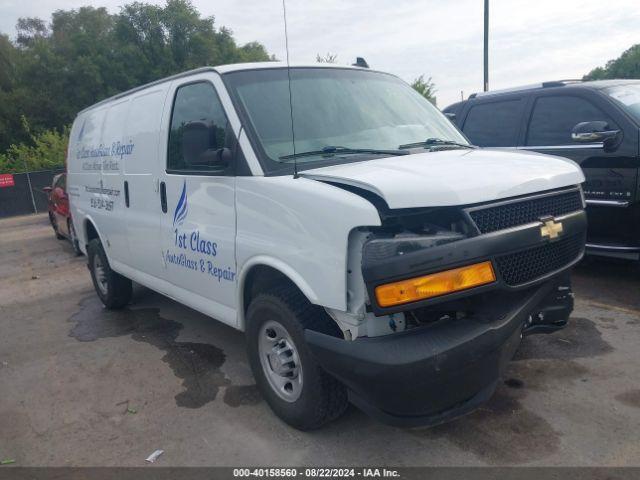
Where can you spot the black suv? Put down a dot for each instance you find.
(596, 124)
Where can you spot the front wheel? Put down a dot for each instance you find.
(296, 388)
(113, 289)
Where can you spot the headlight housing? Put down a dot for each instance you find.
(380, 249)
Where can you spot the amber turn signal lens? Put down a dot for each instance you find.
(435, 284)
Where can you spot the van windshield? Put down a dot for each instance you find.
(365, 114)
(628, 96)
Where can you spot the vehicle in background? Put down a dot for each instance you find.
(596, 124)
(368, 252)
(59, 212)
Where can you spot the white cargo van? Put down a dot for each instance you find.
(369, 253)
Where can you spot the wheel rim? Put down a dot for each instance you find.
(280, 361)
(100, 275)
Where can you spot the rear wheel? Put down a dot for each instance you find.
(113, 289)
(54, 224)
(297, 389)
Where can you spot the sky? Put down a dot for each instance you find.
(530, 41)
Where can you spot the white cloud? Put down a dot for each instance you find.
(529, 41)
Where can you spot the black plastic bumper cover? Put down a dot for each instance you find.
(430, 374)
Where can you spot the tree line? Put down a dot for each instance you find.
(50, 71)
(626, 65)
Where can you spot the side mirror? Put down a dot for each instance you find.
(196, 139)
(199, 142)
(215, 159)
(597, 131)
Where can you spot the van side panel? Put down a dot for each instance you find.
(84, 166)
(110, 203)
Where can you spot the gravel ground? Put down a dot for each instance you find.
(82, 386)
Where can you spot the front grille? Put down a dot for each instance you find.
(523, 267)
(492, 219)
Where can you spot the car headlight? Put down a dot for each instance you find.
(385, 248)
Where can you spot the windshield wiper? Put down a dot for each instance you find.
(334, 150)
(432, 142)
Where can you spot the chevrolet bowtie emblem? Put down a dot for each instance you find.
(551, 229)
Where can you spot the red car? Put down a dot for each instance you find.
(59, 213)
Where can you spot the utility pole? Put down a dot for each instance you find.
(486, 45)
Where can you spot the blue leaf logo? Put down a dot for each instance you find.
(182, 208)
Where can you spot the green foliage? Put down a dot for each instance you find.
(47, 151)
(7, 60)
(626, 65)
(82, 56)
(426, 88)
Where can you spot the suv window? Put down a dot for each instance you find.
(494, 124)
(199, 131)
(553, 119)
(60, 182)
(627, 96)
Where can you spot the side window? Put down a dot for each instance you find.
(200, 137)
(554, 117)
(494, 124)
(60, 182)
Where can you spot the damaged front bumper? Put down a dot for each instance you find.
(453, 348)
(431, 374)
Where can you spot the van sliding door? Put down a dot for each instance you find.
(142, 165)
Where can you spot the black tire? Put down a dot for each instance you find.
(322, 397)
(73, 238)
(54, 224)
(116, 290)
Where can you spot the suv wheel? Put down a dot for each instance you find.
(54, 224)
(113, 289)
(296, 388)
(74, 238)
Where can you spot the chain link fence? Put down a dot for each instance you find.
(25, 196)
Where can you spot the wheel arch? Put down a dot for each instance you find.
(89, 231)
(261, 272)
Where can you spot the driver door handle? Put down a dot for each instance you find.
(163, 197)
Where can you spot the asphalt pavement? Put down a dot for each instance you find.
(83, 386)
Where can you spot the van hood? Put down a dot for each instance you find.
(453, 177)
